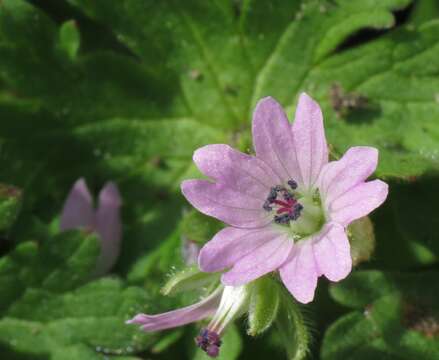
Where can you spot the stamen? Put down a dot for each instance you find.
(209, 341)
(272, 195)
(267, 206)
(288, 196)
(293, 184)
(282, 219)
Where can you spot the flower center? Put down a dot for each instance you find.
(300, 214)
(284, 203)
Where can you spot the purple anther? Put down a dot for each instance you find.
(272, 195)
(288, 196)
(267, 206)
(209, 342)
(292, 184)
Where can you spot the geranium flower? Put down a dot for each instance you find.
(225, 304)
(287, 206)
(78, 212)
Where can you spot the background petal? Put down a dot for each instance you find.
(109, 227)
(266, 258)
(273, 140)
(300, 272)
(225, 204)
(242, 172)
(332, 252)
(358, 202)
(309, 139)
(77, 210)
(230, 245)
(337, 177)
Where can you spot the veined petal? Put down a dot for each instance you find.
(300, 272)
(226, 204)
(230, 245)
(242, 172)
(273, 140)
(179, 317)
(338, 177)
(262, 260)
(77, 211)
(309, 140)
(109, 227)
(358, 202)
(332, 252)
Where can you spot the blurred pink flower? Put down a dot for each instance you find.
(78, 212)
(287, 207)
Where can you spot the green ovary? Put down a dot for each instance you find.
(311, 219)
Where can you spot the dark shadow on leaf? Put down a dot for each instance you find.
(7, 353)
(367, 35)
(364, 115)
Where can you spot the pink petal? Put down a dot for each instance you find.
(300, 272)
(273, 140)
(244, 173)
(230, 245)
(266, 258)
(309, 139)
(358, 202)
(179, 317)
(77, 211)
(337, 177)
(332, 252)
(226, 204)
(109, 227)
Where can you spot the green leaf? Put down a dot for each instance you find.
(157, 263)
(419, 228)
(396, 314)
(424, 11)
(292, 329)
(10, 204)
(198, 227)
(166, 341)
(61, 263)
(264, 305)
(361, 288)
(43, 322)
(68, 260)
(14, 270)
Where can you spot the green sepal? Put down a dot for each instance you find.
(264, 305)
(189, 279)
(10, 204)
(362, 239)
(69, 39)
(292, 329)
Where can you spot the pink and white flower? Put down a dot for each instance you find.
(287, 207)
(78, 212)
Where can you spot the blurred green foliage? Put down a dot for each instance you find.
(126, 90)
